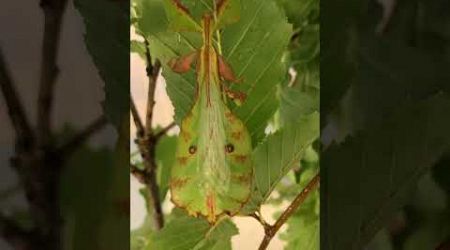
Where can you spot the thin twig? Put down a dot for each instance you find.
(163, 131)
(78, 139)
(147, 150)
(270, 233)
(140, 130)
(137, 173)
(53, 16)
(146, 141)
(261, 220)
(24, 133)
(152, 73)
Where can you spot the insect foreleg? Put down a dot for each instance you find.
(237, 96)
(226, 72)
(183, 64)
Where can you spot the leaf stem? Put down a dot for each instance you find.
(272, 230)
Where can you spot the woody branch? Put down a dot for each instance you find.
(37, 160)
(271, 230)
(147, 139)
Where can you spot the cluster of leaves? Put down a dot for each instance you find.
(95, 185)
(300, 97)
(386, 102)
(106, 39)
(261, 48)
(99, 220)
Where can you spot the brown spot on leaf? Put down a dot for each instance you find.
(182, 160)
(230, 117)
(176, 183)
(180, 6)
(241, 178)
(236, 135)
(186, 136)
(240, 158)
(220, 4)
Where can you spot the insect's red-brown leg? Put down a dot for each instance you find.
(226, 72)
(236, 96)
(183, 64)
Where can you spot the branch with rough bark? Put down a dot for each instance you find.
(271, 230)
(39, 165)
(53, 15)
(16, 112)
(147, 139)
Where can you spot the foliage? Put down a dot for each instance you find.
(260, 48)
(98, 220)
(106, 35)
(385, 124)
(199, 236)
(254, 54)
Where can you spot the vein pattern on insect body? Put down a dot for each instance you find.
(213, 168)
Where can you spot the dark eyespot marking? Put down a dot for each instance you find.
(229, 148)
(192, 149)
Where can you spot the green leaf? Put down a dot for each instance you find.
(253, 47)
(300, 12)
(165, 158)
(186, 232)
(138, 47)
(140, 238)
(83, 213)
(379, 168)
(304, 227)
(301, 96)
(297, 102)
(179, 17)
(114, 228)
(303, 231)
(278, 154)
(338, 43)
(219, 237)
(107, 31)
(391, 75)
(306, 46)
(91, 172)
(149, 23)
(229, 12)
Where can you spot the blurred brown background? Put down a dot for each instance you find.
(78, 91)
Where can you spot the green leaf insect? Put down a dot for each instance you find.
(212, 174)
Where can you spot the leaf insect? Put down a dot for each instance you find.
(212, 174)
